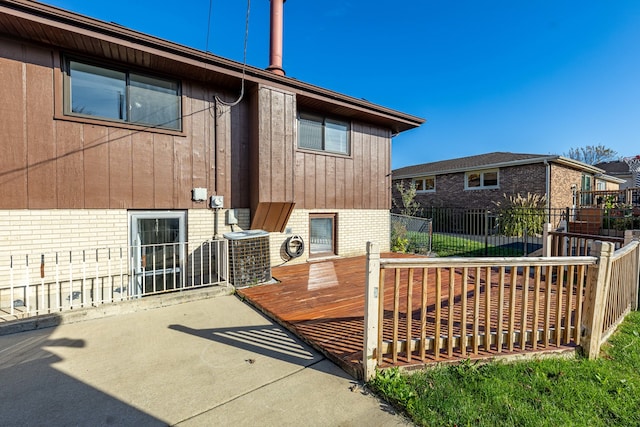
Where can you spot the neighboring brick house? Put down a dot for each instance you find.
(479, 181)
(619, 169)
(108, 132)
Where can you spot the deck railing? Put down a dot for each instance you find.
(431, 309)
(45, 283)
(560, 243)
(622, 290)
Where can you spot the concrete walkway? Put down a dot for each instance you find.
(211, 362)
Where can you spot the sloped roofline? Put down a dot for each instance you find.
(87, 26)
(494, 165)
(610, 178)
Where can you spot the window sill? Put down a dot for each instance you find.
(322, 257)
(481, 188)
(120, 125)
(323, 153)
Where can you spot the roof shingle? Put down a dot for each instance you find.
(494, 159)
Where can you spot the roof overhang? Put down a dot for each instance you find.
(73, 33)
(610, 178)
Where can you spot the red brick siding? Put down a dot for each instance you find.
(562, 178)
(450, 190)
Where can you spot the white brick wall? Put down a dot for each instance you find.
(26, 235)
(355, 228)
(34, 231)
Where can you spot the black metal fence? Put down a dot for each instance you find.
(481, 232)
(607, 199)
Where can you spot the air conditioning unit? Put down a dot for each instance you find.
(249, 259)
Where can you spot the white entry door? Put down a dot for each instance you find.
(157, 242)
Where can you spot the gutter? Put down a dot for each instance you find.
(113, 33)
(548, 184)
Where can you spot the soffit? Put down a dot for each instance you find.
(73, 33)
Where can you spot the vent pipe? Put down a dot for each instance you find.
(275, 46)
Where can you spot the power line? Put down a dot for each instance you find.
(244, 59)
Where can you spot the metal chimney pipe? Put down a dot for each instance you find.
(275, 46)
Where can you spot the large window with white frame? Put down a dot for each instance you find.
(320, 133)
(425, 184)
(482, 180)
(120, 95)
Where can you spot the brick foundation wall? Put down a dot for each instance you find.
(354, 228)
(37, 231)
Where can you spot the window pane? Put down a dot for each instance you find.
(430, 183)
(97, 91)
(310, 133)
(336, 137)
(419, 184)
(321, 235)
(473, 180)
(490, 179)
(154, 101)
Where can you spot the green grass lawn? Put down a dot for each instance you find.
(445, 245)
(549, 392)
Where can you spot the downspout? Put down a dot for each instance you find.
(548, 187)
(216, 236)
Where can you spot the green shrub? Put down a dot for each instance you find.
(518, 214)
(399, 239)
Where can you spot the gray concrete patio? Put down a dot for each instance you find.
(207, 362)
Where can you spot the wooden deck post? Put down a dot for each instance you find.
(598, 279)
(547, 239)
(630, 236)
(369, 359)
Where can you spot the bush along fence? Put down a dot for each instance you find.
(420, 310)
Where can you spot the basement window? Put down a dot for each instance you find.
(323, 134)
(322, 231)
(121, 95)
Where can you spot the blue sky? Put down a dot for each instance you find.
(494, 75)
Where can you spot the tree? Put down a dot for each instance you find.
(407, 197)
(591, 154)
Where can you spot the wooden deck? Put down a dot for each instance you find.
(323, 303)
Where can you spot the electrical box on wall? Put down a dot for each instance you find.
(217, 202)
(232, 219)
(199, 194)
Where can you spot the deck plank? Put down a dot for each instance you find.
(323, 303)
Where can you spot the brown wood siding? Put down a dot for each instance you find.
(240, 152)
(13, 162)
(70, 158)
(276, 121)
(96, 166)
(41, 173)
(142, 154)
(361, 181)
(51, 161)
